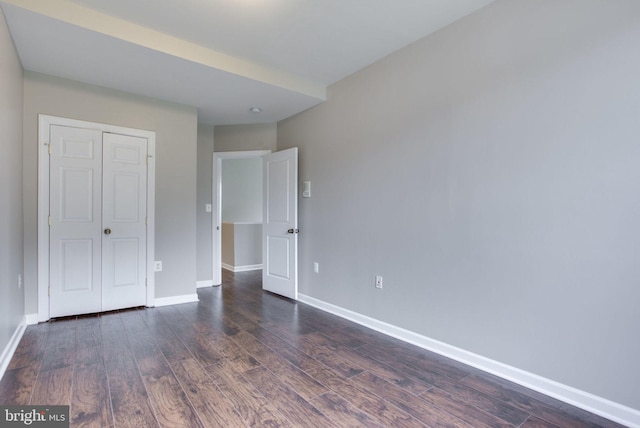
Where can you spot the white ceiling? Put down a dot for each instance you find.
(221, 56)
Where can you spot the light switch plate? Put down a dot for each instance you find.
(207, 208)
(306, 189)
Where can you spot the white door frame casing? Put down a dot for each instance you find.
(216, 197)
(44, 123)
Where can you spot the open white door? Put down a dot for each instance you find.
(280, 226)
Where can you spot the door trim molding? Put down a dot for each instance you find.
(44, 123)
(216, 197)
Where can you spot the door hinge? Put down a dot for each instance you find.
(146, 282)
(49, 220)
(49, 148)
(49, 291)
(146, 220)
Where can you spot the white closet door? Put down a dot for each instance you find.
(124, 221)
(75, 210)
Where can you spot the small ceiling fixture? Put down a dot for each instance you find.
(255, 110)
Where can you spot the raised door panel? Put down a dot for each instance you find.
(277, 251)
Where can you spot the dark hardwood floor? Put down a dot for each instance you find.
(244, 357)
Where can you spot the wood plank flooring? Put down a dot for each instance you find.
(243, 357)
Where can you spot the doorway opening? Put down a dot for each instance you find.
(237, 220)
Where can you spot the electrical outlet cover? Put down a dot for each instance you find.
(378, 281)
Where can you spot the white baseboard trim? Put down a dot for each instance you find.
(202, 284)
(176, 300)
(31, 319)
(584, 400)
(244, 268)
(10, 349)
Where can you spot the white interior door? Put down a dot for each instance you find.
(124, 212)
(98, 186)
(75, 220)
(280, 227)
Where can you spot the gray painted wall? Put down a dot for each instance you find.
(259, 136)
(11, 247)
(176, 147)
(491, 174)
(241, 244)
(204, 219)
(228, 244)
(247, 244)
(242, 190)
